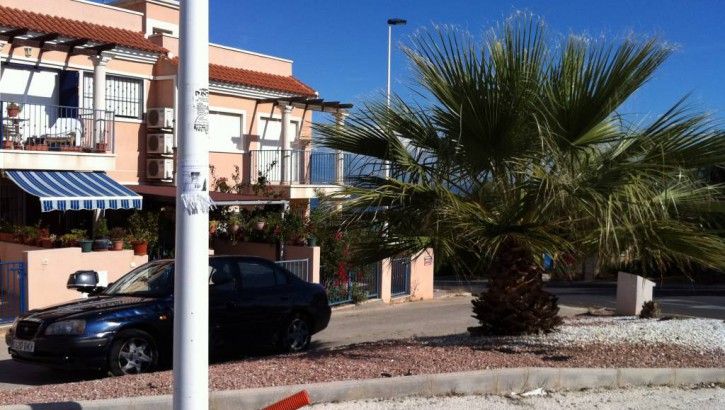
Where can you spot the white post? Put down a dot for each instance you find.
(390, 37)
(339, 155)
(285, 144)
(191, 298)
(99, 95)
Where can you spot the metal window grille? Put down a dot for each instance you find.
(124, 95)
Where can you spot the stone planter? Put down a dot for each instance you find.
(117, 244)
(100, 245)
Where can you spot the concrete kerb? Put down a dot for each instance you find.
(501, 381)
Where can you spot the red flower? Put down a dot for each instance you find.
(338, 235)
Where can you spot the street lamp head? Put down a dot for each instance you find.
(396, 22)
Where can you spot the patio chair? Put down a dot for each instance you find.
(65, 131)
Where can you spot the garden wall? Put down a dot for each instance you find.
(47, 270)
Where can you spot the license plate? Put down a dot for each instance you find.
(24, 345)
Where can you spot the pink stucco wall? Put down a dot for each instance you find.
(48, 269)
(82, 10)
(421, 275)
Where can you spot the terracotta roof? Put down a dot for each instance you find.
(16, 18)
(257, 79)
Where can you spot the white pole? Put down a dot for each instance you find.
(191, 298)
(390, 36)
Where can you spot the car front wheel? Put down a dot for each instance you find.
(296, 335)
(133, 352)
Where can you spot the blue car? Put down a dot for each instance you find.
(127, 328)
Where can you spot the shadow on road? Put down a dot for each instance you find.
(23, 375)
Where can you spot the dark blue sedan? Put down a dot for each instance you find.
(127, 328)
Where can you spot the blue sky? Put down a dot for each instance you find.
(339, 47)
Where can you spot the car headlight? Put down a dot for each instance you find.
(66, 327)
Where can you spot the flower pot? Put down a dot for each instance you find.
(101, 147)
(100, 245)
(86, 245)
(259, 225)
(311, 241)
(140, 248)
(7, 144)
(13, 111)
(7, 237)
(45, 243)
(117, 245)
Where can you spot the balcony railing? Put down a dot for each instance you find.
(56, 128)
(310, 167)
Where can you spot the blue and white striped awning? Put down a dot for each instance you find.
(69, 190)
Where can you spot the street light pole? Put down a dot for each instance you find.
(391, 23)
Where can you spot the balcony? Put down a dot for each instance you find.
(56, 137)
(303, 171)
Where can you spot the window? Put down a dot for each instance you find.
(225, 131)
(124, 95)
(255, 275)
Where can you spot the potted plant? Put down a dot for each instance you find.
(234, 220)
(76, 236)
(7, 231)
(13, 109)
(117, 234)
(144, 229)
(100, 235)
(257, 222)
(82, 240)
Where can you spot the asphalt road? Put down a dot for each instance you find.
(707, 301)
(441, 316)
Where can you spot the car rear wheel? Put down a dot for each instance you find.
(296, 334)
(133, 352)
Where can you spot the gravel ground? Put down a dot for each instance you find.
(598, 342)
(701, 398)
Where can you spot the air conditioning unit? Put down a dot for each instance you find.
(160, 118)
(160, 168)
(160, 144)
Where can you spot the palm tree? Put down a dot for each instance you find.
(516, 149)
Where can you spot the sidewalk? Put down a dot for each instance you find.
(502, 381)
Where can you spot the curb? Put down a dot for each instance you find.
(464, 383)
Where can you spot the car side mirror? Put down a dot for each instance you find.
(85, 281)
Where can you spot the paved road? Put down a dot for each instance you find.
(364, 323)
(376, 321)
(695, 300)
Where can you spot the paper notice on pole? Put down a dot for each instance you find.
(201, 108)
(194, 186)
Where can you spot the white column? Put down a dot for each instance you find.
(99, 96)
(339, 155)
(286, 144)
(191, 286)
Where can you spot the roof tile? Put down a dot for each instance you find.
(257, 79)
(44, 23)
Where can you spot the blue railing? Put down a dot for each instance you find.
(13, 290)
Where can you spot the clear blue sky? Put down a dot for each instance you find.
(339, 47)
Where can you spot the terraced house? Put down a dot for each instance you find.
(88, 98)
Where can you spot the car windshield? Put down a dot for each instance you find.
(154, 279)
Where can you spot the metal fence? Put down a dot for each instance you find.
(367, 280)
(12, 290)
(400, 281)
(300, 267)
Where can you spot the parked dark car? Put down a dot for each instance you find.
(127, 328)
